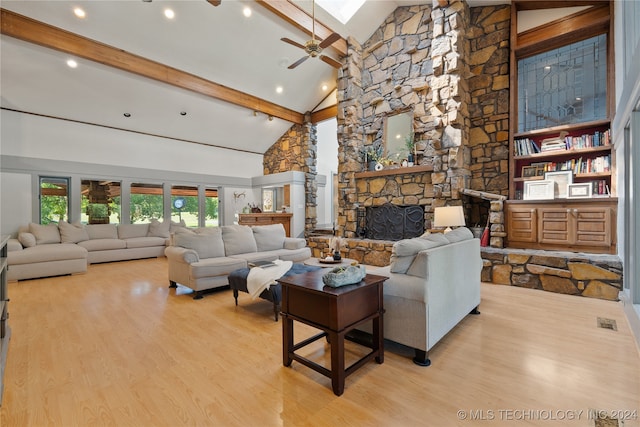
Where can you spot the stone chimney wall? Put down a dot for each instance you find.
(297, 150)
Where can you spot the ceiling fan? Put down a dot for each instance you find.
(314, 47)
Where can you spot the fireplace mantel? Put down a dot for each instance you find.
(396, 171)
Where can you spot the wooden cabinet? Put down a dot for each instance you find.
(581, 226)
(266, 219)
(5, 332)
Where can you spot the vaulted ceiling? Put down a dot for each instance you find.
(207, 76)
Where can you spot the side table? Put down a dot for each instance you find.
(335, 311)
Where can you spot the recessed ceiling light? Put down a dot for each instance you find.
(72, 63)
(183, 113)
(279, 89)
(79, 12)
(547, 67)
(127, 115)
(325, 87)
(169, 13)
(578, 99)
(246, 11)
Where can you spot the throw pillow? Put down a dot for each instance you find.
(269, 237)
(206, 245)
(27, 239)
(72, 233)
(459, 234)
(45, 233)
(238, 239)
(102, 231)
(159, 229)
(173, 226)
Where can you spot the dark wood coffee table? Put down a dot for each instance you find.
(335, 311)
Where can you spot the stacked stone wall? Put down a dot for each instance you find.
(489, 108)
(589, 275)
(297, 150)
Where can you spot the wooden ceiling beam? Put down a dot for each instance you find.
(32, 31)
(324, 114)
(303, 21)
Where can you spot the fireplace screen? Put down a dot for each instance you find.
(393, 222)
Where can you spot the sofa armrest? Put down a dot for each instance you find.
(14, 245)
(294, 243)
(179, 254)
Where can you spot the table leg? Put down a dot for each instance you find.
(287, 339)
(378, 338)
(337, 362)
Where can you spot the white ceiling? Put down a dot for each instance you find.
(216, 43)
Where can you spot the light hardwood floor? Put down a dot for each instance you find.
(117, 347)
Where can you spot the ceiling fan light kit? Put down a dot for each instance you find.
(314, 47)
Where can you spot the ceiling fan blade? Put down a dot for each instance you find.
(291, 42)
(298, 62)
(331, 61)
(333, 37)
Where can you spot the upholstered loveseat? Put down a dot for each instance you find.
(63, 248)
(434, 282)
(203, 258)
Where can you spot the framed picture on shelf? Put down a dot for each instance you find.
(561, 180)
(538, 190)
(529, 171)
(581, 190)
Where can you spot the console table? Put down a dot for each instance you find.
(266, 219)
(335, 311)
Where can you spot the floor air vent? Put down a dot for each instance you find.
(607, 324)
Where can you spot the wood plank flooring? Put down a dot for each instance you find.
(117, 347)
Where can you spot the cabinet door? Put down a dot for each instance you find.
(556, 226)
(522, 224)
(593, 226)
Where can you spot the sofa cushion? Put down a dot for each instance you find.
(14, 245)
(103, 244)
(128, 231)
(72, 233)
(238, 239)
(102, 231)
(27, 239)
(294, 243)
(173, 226)
(144, 242)
(213, 267)
(404, 252)
(459, 234)
(269, 237)
(47, 253)
(206, 244)
(45, 234)
(159, 229)
(436, 237)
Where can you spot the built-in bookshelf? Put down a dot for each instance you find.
(584, 150)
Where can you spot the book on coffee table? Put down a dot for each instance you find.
(263, 264)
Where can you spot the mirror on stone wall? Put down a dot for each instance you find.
(397, 128)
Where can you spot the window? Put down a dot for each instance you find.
(211, 207)
(54, 200)
(146, 202)
(100, 202)
(184, 205)
(563, 86)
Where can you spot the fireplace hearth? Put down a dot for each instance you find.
(391, 222)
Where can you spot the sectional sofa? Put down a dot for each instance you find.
(63, 248)
(203, 258)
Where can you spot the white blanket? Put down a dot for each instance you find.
(260, 278)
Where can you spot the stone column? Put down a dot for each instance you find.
(449, 141)
(350, 136)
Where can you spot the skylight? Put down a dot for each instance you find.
(342, 10)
